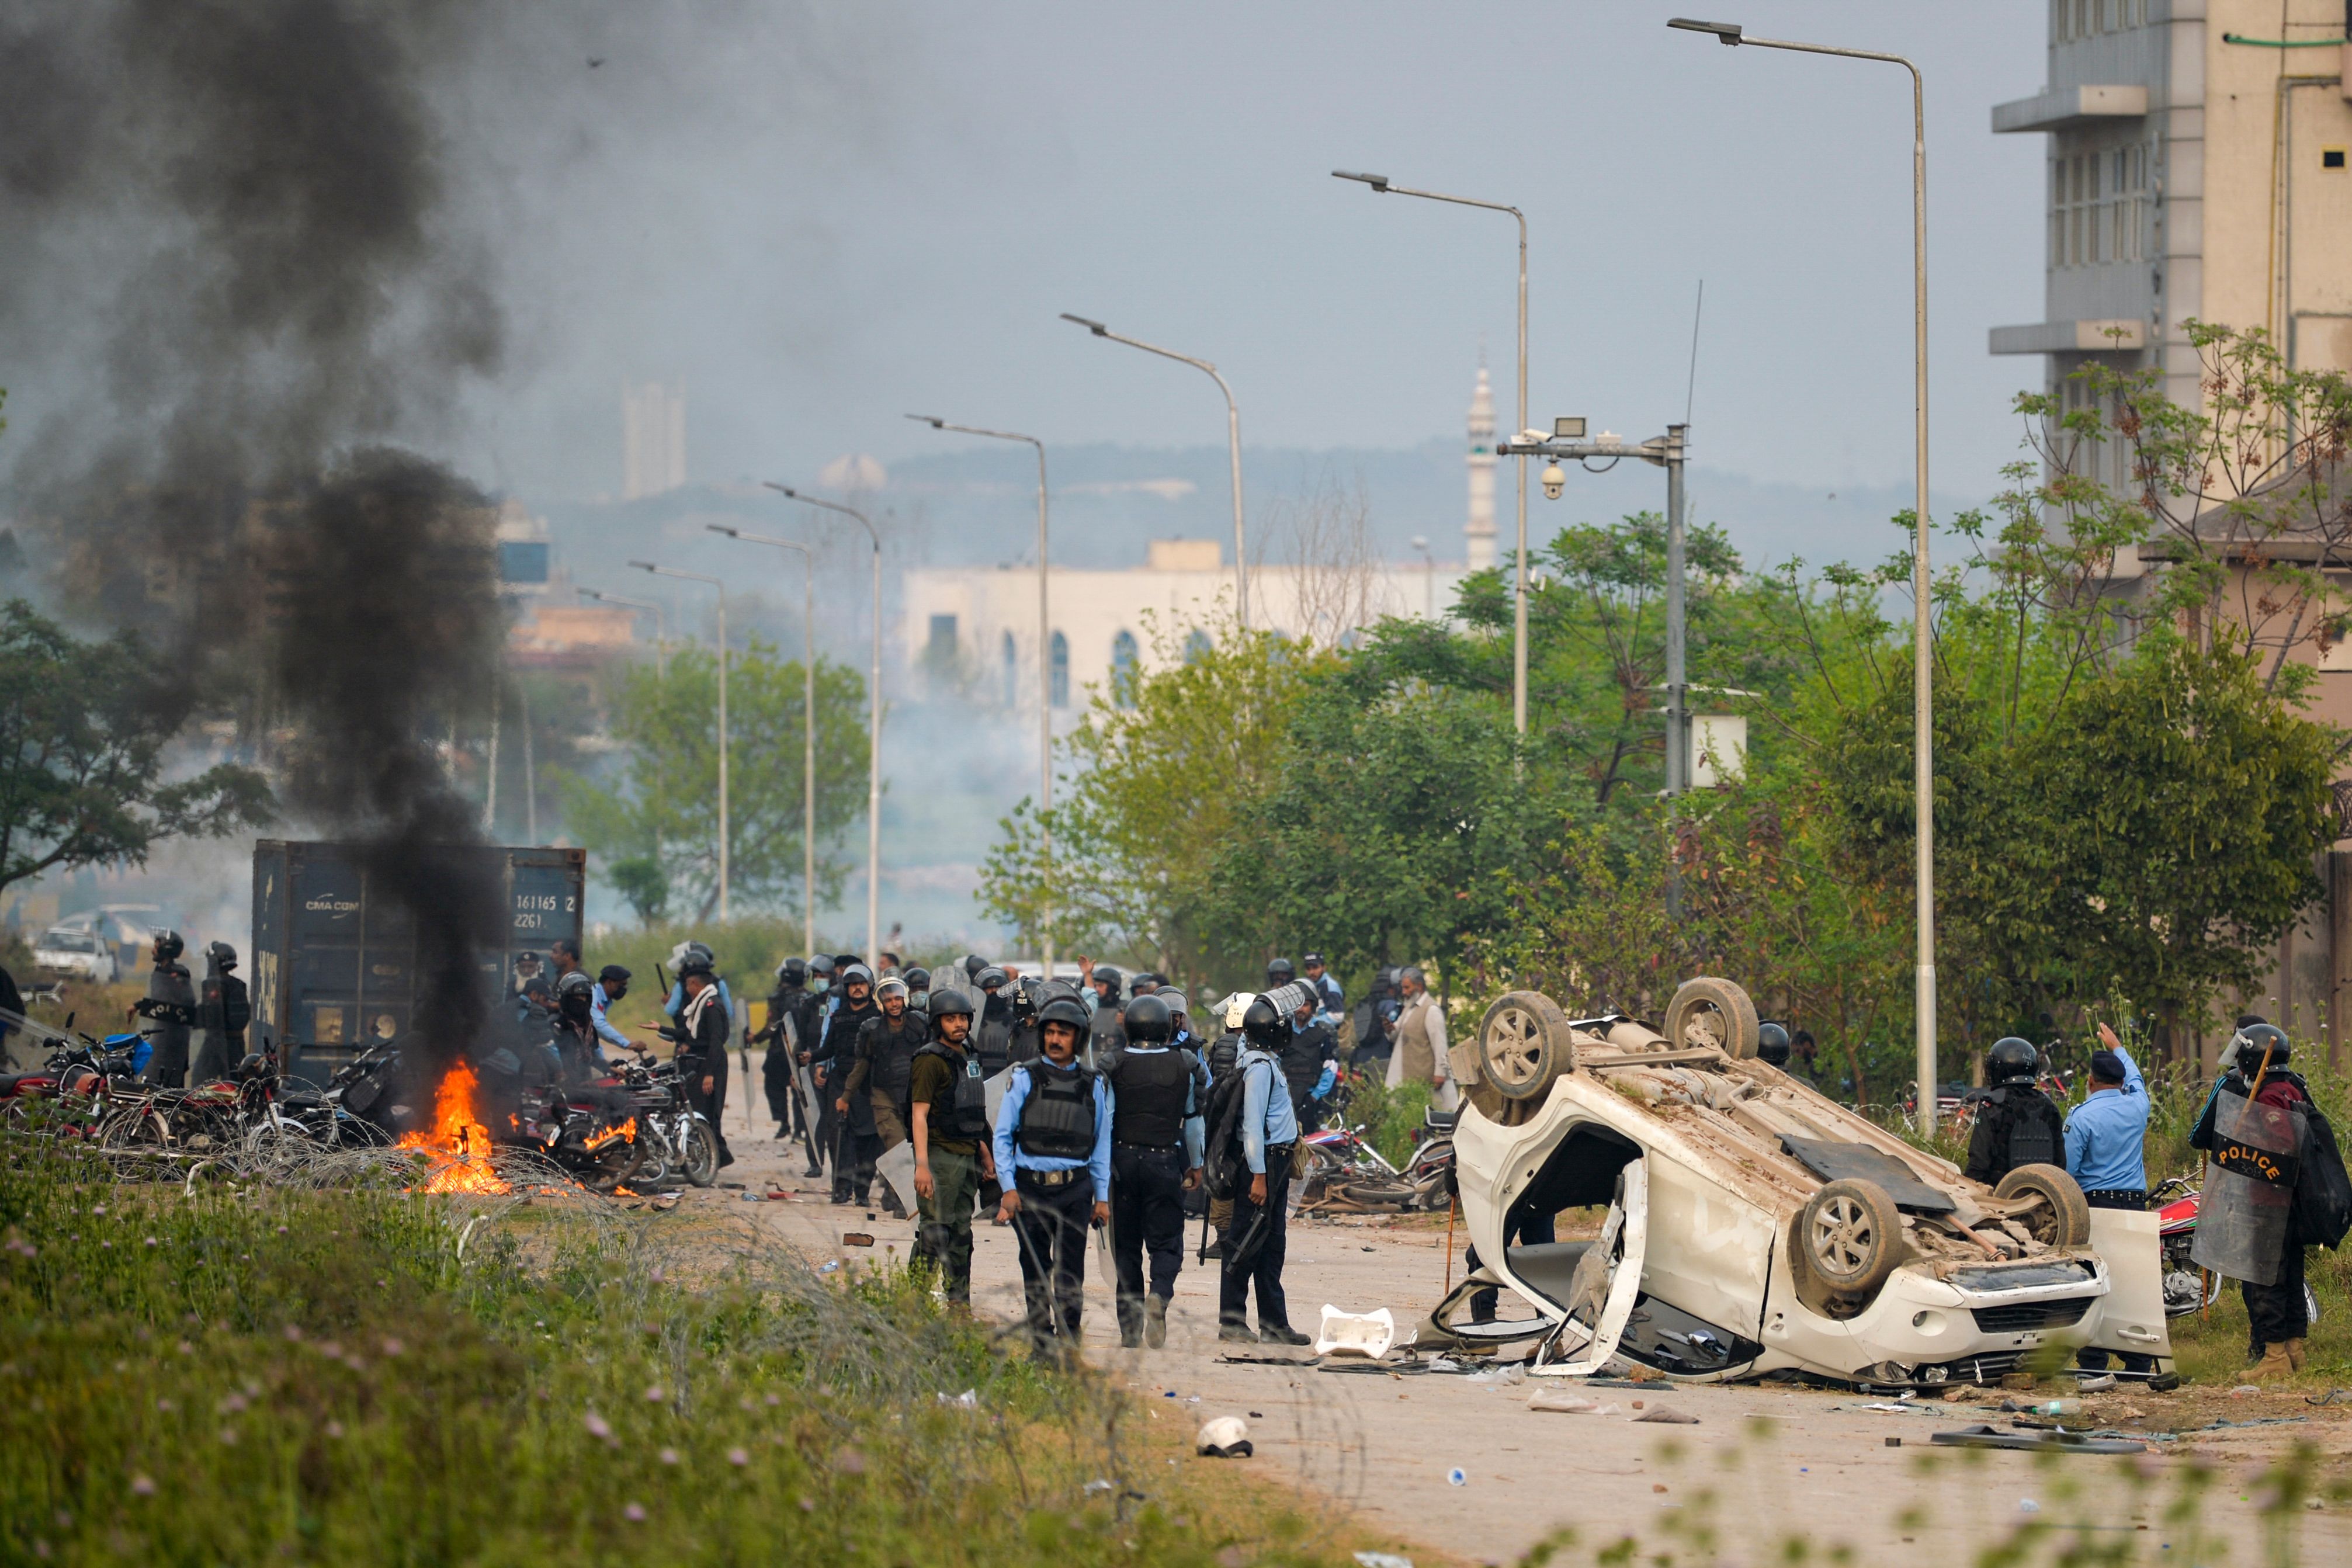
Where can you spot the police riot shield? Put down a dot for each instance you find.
(2241, 1219)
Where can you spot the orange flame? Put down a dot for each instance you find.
(457, 1144)
(628, 1130)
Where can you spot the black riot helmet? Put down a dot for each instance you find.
(1266, 1025)
(943, 1002)
(1772, 1044)
(1065, 1010)
(2012, 1060)
(793, 971)
(917, 979)
(1279, 972)
(973, 964)
(224, 956)
(991, 978)
(1148, 1022)
(2254, 1041)
(575, 996)
(168, 946)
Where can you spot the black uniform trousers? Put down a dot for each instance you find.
(711, 1106)
(1253, 1245)
(2097, 1360)
(1052, 1229)
(1147, 1214)
(2274, 1313)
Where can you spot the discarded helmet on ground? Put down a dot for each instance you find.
(2011, 1059)
(1148, 1022)
(1226, 1438)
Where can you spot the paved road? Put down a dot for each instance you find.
(1760, 1465)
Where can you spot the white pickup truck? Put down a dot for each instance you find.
(84, 954)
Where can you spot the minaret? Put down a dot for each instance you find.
(1479, 533)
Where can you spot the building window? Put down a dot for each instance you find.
(1196, 646)
(2099, 206)
(1123, 672)
(1061, 697)
(943, 638)
(1012, 673)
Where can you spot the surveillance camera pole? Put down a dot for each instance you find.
(1669, 452)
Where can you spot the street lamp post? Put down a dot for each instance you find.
(1382, 186)
(808, 717)
(1923, 642)
(874, 727)
(724, 847)
(1233, 443)
(661, 624)
(1044, 673)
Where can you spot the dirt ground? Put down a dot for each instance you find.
(1761, 1464)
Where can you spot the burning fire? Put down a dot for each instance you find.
(457, 1144)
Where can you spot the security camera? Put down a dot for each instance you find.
(1555, 478)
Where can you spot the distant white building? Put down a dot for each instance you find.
(653, 439)
(978, 627)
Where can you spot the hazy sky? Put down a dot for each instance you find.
(821, 220)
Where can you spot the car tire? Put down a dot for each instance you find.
(1524, 1045)
(2063, 1218)
(1849, 1242)
(1712, 1012)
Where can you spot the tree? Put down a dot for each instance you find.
(84, 733)
(656, 824)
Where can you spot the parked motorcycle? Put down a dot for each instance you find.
(679, 1140)
(2187, 1288)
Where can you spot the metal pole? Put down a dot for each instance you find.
(1234, 442)
(1381, 185)
(808, 716)
(1045, 669)
(725, 863)
(1677, 663)
(1922, 584)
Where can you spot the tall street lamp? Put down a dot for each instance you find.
(723, 843)
(661, 626)
(1922, 650)
(1382, 186)
(1233, 442)
(874, 727)
(808, 716)
(1044, 673)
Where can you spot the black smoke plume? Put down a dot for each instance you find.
(251, 195)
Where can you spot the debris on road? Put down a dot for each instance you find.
(1224, 1437)
(1667, 1415)
(1366, 1334)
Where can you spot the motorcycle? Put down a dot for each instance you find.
(677, 1139)
(585, 1138)
(74, 1083)
(1347, 1171)
(2187, 1288)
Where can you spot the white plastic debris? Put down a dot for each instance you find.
(1509, 1376)
(1382, 1560)
(1367, 1334)
(1224, 1437)
(2027, 1505)
(968, 1400)
(1100, 1484)
(1564, 1403)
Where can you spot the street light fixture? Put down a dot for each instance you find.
(1045, 671)
(1233, 442)
(1381, 185)
(661, 633)
(808, 716)
(874, 726)
(1923, 642)
(724, 862)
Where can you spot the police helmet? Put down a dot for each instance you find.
(946, 1002)
(1065, 1010)
(575, 983)
(168, 946)
(1266, 1022)
(973, 964)
(855, 973)
(990, 978)
(254, 1065)
(1174, 1001)
(1106, 975)
(223, 955)
(1148, 1021)
(692, 964)
(2012, 1060)
(918, 979)
(895, 985)
(793, 971)
(1772, 1044)
(1279, 972)
(2254, 1041)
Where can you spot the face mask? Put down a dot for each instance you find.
(820, 985)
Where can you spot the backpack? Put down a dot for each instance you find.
(2323, 1194)
(1225, 1166)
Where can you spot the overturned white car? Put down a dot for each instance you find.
(1754, 1226)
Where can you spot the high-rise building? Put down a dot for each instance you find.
(1478, 533)
(2195, 170)
(653, 439)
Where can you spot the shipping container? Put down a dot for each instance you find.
(335, 960)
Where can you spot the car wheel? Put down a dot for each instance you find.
(1524, 1045)
(1849, 1238)
(2058, 1216)
(1711, 1012)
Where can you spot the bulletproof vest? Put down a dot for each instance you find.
(1302, 1057)
(992, 1036)
(1148, 1093)
(577, 1049)
(2034, 1132)
(968, 1116)
(891, 1053)
(1057, 1119)
(1224, 1053)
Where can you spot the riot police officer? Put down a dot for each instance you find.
(1310, 1056)
(779, 1070)
(1157, 1092)
(2018, 1125)
(852, 1116)
(224, 1013)
(948, 1120)
(170, 1009)
(1053, 1154)
(882, 1072)
(1255, 1241)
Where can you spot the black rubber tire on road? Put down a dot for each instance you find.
(1850, 1241)
(2063, 1219)
(1524, 1045)
(698, 1161)
(1708, 1011)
